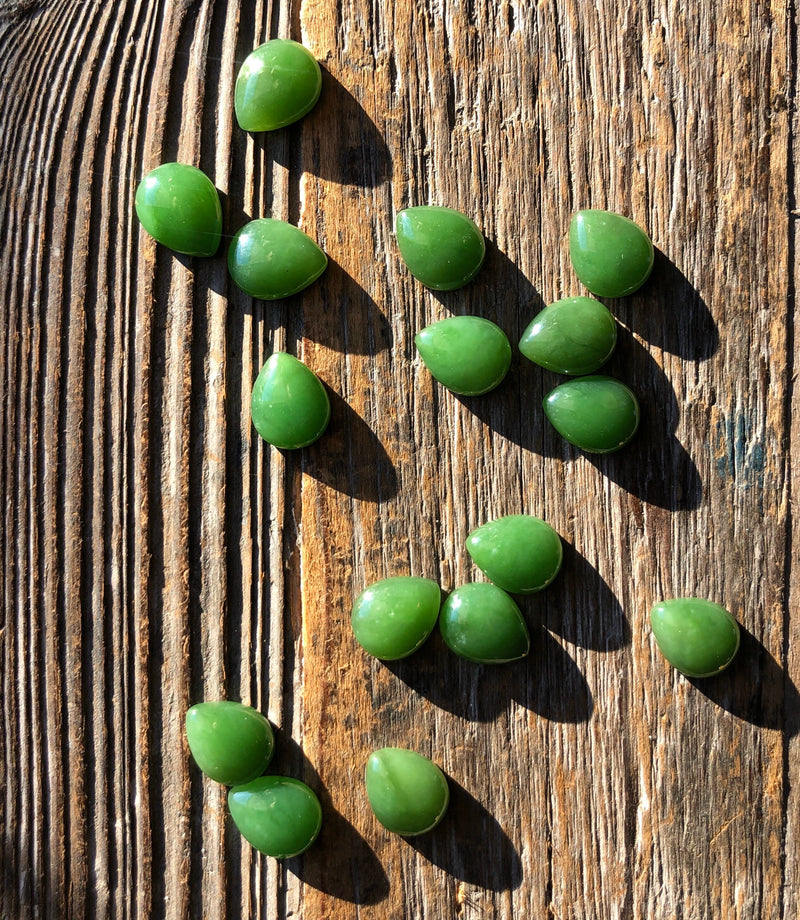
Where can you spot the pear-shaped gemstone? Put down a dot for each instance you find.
(441, 247)
(696, 636)
(611, 254)
(481, 622)
(597, 414)
(575, 336)
(519, 553)
(467, 354)
(270, 259)
(179, 206)
(408, 793)
(393, 617)
(230, 742)
(278, 84)
(279, 816)
(290, 407)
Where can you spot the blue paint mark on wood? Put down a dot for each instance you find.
(740, 455)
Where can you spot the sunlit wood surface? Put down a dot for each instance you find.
(154, 553)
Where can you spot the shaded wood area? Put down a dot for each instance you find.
(154, 553)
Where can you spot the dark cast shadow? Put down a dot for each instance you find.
(654, 466)
(340, 863)
(470, 845)
(349, 457)
(234, 217)
(499, 292)
(755, 688)
(211, 273)
(546, 682)
(579, 606)
(208, 274)
(341, 143)
(668, 312)
(339, 313)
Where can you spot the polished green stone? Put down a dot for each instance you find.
(575, 335)
(279, 816)
(481, 622)
(179, 206)
(441, 247)
(230, 742)
(270, 259)
(467, 354)
(611, 254)
(696, 636)
(519, 553)
(597, 414)
(408, 793)
(290, 407)
(278, 84)
(392, 618)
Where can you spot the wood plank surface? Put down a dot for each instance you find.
(155, 553)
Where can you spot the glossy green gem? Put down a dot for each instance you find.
(408, 793)
(597, 414)
(270, 259)
(290, 407)
(480, 622)
(696, 636)
(519, 553)
(392, 618)
(611, 254)
(230, 742)
(279, 816)
(179, 206)
(572, 336)
(467, 354)
(441, 247)
(278, 84)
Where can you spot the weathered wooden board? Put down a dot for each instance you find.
(153, 553)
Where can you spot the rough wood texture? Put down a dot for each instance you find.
(153, 553)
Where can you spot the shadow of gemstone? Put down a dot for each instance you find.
(499, 292)
(554, 688)
(339, 313)
(655, 467)
(669, 313)
(349, 457)
(579, 607)
(234, 217)
(514, 408)
(210, 273)
(456, 685)
(755, 688)
(340, 863)
(470, 845)
(547, 681)
(348, 148)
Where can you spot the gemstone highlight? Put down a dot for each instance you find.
(179, 207)
(407, 792)
(230, 742)
(289, 405)
(393, 617)
(467, 354)
(441, 247)
(611, 254)
(573, 336)
(278, 83)
(597, 414)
